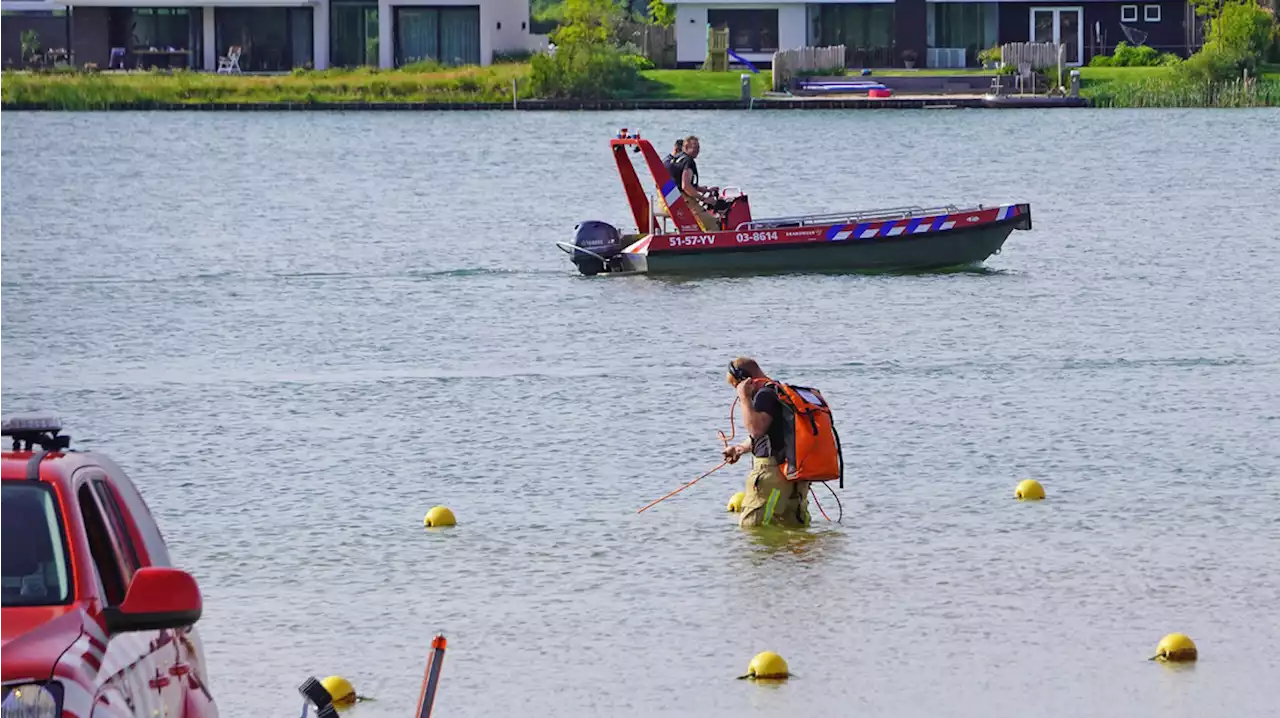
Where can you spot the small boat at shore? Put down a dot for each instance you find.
(670, 240)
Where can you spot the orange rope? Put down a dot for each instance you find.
(682, 488)
(733, 431)
(815, 501)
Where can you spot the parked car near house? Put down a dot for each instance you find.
(95, 619)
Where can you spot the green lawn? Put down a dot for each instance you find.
(702, 85)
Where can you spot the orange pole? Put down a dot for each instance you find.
(431, 677)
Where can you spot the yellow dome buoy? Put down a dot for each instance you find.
(735, 501)
(1029, 490)
(1175, 647)
(344, 695)
(767, 665)
(439, 516)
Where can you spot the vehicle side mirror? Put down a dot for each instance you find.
(157, 598)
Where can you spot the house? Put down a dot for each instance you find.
(279, 35)
(942, 33)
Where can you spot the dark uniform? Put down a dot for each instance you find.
(679, 164)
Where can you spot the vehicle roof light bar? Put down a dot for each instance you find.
(30, 430)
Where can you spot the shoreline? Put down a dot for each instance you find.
(800, 103)
(508, 87)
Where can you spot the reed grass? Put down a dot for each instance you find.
(94, 90)
(1174, 91)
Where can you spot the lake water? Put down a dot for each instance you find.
(299, 332)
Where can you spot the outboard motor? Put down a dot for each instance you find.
(601, 239)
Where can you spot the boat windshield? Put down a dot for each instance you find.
(34, 546)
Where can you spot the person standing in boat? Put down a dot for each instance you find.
(770, 499)
(684, 171)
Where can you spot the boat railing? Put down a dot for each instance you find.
(845, 217)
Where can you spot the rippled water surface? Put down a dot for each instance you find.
(298, 332)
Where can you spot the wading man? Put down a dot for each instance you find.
(770, 499)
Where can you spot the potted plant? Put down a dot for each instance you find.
(990, 58)
(909, 58)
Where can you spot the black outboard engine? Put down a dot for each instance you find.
(599, 238)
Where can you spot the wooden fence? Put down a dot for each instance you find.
(652, 41)
(786, 63)
(1034, 55)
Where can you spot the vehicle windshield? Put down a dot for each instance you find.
(34, 551)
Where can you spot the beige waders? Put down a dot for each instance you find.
(772, 500)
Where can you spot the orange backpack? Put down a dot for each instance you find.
(812, 444)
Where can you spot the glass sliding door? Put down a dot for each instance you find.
(353, 33)
(271, 39)
(969, 25)
(460, 36)
(749, 30)
(447, 35)
(162, 36)
(1060, 25)
(866, 30)
(417, 35)
(302, 36)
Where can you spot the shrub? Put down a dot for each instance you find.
(512, 56)
(588, 72)
(1134, 56)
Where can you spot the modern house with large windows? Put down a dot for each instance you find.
(279, 35)
(938, 33)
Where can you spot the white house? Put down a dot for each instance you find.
(279, 35)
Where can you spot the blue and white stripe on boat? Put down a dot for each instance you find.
(670, 192)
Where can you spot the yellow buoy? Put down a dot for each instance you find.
(340, 688)
(1175, 647)
(439, 516)
(1029, 490)
(735, 501)
(767, 666)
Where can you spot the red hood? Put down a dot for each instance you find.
(34, 637)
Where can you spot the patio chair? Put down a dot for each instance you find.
(230, 63)
(1025, 77)
(117, 54)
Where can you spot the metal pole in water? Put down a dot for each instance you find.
(432, 677)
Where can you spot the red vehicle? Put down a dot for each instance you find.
(96, 622)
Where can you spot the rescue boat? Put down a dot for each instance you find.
(669, 239)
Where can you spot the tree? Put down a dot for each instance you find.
(661, 13)
(588, 23)
(1238, 37)
(588, 62)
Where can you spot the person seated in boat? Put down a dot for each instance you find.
(684, 171)
(666, 161)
